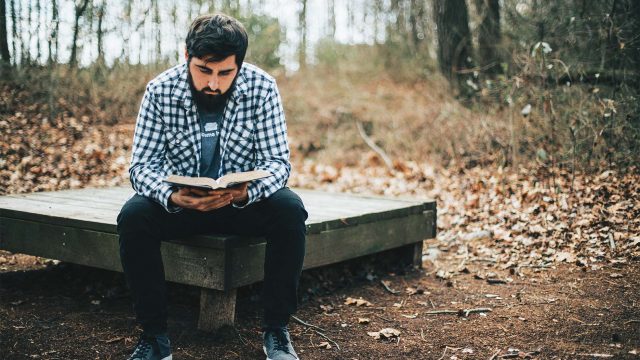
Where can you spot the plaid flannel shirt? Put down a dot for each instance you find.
(167, 138)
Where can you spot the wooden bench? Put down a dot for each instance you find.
(79, 226)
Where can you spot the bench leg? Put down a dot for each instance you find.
(411, 254)
(217, 309)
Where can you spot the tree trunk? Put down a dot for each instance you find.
(302, 23)
(332, 18)
(73, 60)
(29, 32)
(416, 23)
(454, 38)
(100, 32)
(56, 30)
(158, 25)
(4, 43)
(489, 35)
(14, 32)
(634, 52)
(37, 32)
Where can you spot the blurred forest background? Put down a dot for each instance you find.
(452, 82)
(519, 117)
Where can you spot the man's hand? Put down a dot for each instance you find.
(207, 200)
(238, 192)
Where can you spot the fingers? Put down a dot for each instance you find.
(199, 192)
(208, 203)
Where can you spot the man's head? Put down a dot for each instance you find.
(215, 49)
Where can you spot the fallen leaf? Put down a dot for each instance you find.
(357, 302)
(386, 333)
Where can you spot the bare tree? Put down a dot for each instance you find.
(79, 10)
(331, 23)
(302, 24)
(100, 31)
(416, 23)
(29, 31)
(454, 38)
(158, 26)
(37, 31)
(489, 35)
(4, 44)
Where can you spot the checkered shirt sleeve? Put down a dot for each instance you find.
(148, 164)
(271, 147)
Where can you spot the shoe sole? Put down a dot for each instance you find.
(170, 357)
(264, 348)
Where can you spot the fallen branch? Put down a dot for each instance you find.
(384, 318)
(476, 310)
(496, 281)
(632, 321)
(445, 351)
(439, 312)
(463, 312)
(386, 287)
(494, 355)
(374, 147)
(327, 338)
(306, 324)
(315, 328)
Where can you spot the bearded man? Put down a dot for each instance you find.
(211, 116)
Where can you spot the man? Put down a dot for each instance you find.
(211, 116)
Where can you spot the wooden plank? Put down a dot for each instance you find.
(184, 263)
(327, 211)
(217, 309)
(246, 261)
(100, 200)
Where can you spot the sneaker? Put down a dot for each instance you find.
(277, 345)
(152, 347)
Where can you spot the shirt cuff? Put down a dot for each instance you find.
(165, 194)
(252, 196)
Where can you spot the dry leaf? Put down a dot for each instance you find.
(363, 320)
(357, 302)
(386, 333)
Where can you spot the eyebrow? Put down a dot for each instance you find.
(201, 66)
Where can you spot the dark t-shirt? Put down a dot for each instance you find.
(210, 126)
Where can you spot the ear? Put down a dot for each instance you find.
(186, 54)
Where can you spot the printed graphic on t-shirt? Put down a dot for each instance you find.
(210, 129)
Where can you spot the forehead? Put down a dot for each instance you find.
(228, 62)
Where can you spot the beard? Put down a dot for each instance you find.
(210, 102)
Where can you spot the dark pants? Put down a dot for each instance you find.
(143, 224)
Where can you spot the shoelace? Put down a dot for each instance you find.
(281, 341)
(142, 349)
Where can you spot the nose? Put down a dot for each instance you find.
(213, 83)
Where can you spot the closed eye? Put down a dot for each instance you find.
(204, 69)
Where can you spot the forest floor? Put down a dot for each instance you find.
(63, 311)
(552, 261)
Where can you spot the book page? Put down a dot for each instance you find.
(241, 177)
(199, 182)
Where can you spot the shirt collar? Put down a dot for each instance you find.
(182, 92)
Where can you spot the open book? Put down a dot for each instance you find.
(223, 182)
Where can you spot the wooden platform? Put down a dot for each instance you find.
(79, 226)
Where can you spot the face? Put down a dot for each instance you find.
(213, 78)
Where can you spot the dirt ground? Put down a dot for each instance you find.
(51, 310)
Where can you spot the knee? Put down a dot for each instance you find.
(135, 220)
(288, 207)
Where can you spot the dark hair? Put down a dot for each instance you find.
(218, 36)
